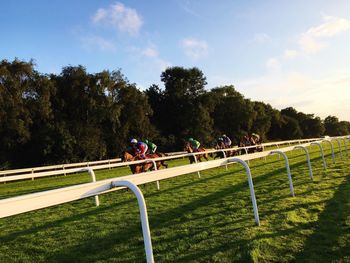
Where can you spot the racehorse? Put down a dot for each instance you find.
(129, 155)
(249, 141)
(189, 149)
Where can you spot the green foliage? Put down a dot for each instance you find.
(178, 109)
(334, 127)
(75, 115)
(232, 114)
(70, 117)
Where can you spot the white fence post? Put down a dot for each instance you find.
(307, 157)
(224, 154)
(331, 145)
(288, 169)
(143, 214)
(346, 147)
(155, 168)
(93, 178)
(339, 146)
(251, 187)
(322, 154)
(195, 160)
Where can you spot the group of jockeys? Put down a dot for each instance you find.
(141, 148)
(223, 142)
(247, 140)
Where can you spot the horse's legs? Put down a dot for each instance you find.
(164, 164)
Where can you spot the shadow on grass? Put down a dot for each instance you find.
(243, 186)
(104, 248)
(329, 242)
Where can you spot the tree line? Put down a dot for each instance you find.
(76, 116)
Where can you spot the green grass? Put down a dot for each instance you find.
(207, 219)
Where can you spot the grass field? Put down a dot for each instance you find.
(207, 219)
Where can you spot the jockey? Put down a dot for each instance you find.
(256, 138)
(140, 148)
(194, 144)
(245, 141)
(151, 146)
(220, 143)
(227, 141)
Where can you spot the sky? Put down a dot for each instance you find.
(287, 53)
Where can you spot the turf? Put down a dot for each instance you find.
(207, 219)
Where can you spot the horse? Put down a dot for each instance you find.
(157, 155)
(189, 149)
(129, 155)
(220, 154)
(249, 141)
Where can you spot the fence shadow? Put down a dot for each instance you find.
(331, 237)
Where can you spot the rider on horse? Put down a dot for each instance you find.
(194, 144)
(220, 143)
(227, 141)
(151, 146)
(140, 148)
(256, 138)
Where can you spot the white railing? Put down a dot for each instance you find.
(116, 160)
(65, 166)
(59, 166)
(30, 202)
(32, 175)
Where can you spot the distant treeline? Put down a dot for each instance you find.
(76, 116)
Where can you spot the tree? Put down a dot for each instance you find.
(183, 112)
(290, 128)
(18, 91)
(332, 126)
(312, 126)
(231, 113)
(344, 127)
(262, 121)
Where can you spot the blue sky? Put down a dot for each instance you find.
(286, 53)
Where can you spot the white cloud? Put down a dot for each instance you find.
(186, 6)
(150, 52)
(290, 53)
(331, 27)
(262, 38)
(99, 15)
(96, 42)
(149, 56)
(119, 17)
(195, 49)
(273, 65)
(312, 41)
(310, 45)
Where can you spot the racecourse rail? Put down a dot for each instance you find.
(65, 166)
(30, 202)
(37, 172)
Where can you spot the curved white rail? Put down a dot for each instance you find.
(30, 202)
(288, 169)
(307, 158)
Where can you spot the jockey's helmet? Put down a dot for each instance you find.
(133, 141)
(146, 141)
